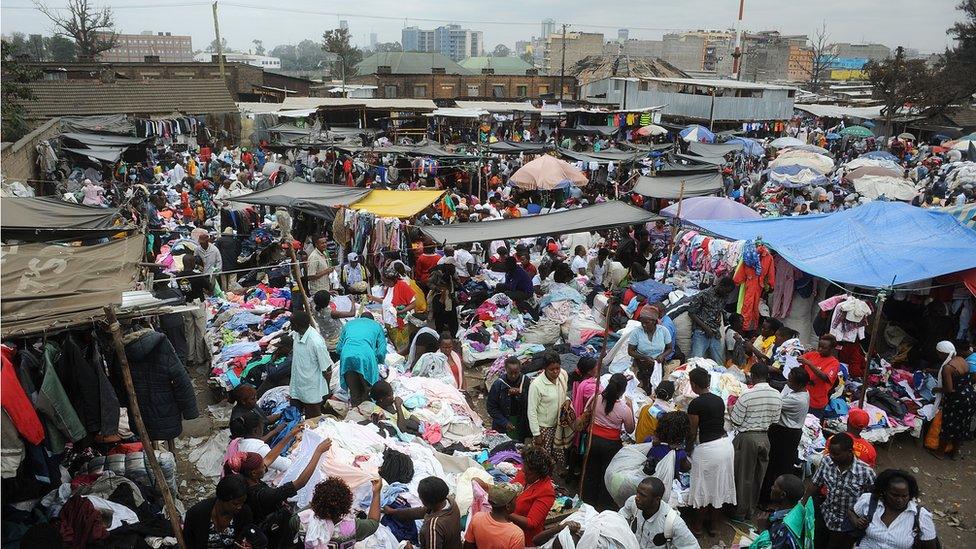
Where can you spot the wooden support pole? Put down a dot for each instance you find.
(135, 418)
(297, 273)
(674, 232)
(599, 369)
(872, 345)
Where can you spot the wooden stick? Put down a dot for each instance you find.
(297, 273)
(599, 370)
(135, 416)
(878, 304)
(674, 232)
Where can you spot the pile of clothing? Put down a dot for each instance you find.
(494, 330)
(444, 413)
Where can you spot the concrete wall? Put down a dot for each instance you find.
(18, 160)
(450, 86)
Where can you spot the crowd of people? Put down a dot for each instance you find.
(717, 395)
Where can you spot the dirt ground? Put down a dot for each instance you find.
(948, 487)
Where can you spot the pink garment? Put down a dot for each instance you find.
(783, 290)
(582, 394)
(829, 303)
(232, 450)
(620, 415)
(432, 433)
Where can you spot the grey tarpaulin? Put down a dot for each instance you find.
(101, 140)
(105, 154)
(591, 218)
(701, 160)
(603, 157)
(713, 150)
(101, 123)
(46, 286)
(582, 129)
(512, 147)
(670, 186)
(312, 198)
(674, 168)
(49, 219)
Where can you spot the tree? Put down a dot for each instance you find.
(212, 47)
(15, 91)
(93, 31)
(258, 47)
(336, 42)
(388, 46)
(954, 78)
(528, 58)
(501, 50)
(898, 83)
(59, 49)
(822, 58)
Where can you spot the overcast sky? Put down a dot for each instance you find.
(919, 24)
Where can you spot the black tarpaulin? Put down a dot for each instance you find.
(104, 154)
(312, 198)
(670, 186)
(49, 219)
(582, 129)
(717, 150)
(701, 160)
(590, 218)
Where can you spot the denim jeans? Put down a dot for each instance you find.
(702, 344)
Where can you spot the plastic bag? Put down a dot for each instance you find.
(935, 429)
(625, 471)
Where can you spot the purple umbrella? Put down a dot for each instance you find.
(710, 207)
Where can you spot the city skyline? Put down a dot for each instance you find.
(868, 21)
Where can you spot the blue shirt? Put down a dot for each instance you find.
(309, 359)
(651, 347)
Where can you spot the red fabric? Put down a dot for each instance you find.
(423, 266)
(205, 154)
(15, 402)
(534, 503)
(819, 389)
(863, 450)
(606, 432)
(84, 480)
(81, 524)
(852, 355)
(403, 295)
(126, 448)
(754, 284)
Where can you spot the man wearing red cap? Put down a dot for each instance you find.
(857, 421)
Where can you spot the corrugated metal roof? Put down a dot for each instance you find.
(296, 103)
(87, 97)
(838, 111)
(409, 62)
(499, 106)
(502, 65)
(720, 83)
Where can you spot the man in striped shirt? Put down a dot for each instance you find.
(755, 410)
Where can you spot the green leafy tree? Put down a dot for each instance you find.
(258, 47)
(899, 83)
(60, 49)
(336, 42)
(14, 84)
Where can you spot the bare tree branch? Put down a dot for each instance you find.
(822, 58)
(93, 31)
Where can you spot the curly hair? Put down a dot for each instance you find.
(332, 499)
(889, 476)
(536, 459)
(673, 427)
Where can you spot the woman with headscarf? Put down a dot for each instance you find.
(958, 400)
(611, 412)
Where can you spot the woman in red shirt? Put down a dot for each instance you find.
(823, 369)
(538, 493)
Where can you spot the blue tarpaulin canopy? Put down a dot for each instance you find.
(870, 245)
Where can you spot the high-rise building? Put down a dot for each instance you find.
(373, 40)
(623, 35)
(769, 56)
(548, 27)
(450, 40)
(692, 51)
(343, 24)
(134, 48)
(871, 52)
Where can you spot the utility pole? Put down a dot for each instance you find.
(737, 53)
(562, 70)
(220, 47)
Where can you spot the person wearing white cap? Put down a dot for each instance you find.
(353, 275)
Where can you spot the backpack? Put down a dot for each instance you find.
(669, 521)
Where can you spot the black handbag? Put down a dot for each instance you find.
(917, 532)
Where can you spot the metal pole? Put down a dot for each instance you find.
(737, 53)
(220, 47)
(135, 417)
(878, 304)
(599, 369)
(674, 232)
(562, 70)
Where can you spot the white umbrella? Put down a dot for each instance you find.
(652, 130)
(781, 142)
(879, 162)
(815, 161)
(963, 144)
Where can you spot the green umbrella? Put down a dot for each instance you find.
(857, 131)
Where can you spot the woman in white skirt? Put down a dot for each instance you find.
(712, 458)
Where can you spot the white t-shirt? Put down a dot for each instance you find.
(578, 263)
(900, 534)
(258, 446)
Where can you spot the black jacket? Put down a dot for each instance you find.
(162, 385)
(89, 389)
